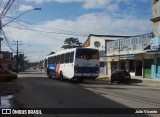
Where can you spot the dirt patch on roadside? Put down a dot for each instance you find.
(11, 88)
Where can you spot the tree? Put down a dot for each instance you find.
(52, 53)
(71, 43)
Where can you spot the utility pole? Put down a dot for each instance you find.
(17, 43)
(1, 39)
(0, 33)
(119, 49)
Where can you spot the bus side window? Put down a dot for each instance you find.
(54, 60)
(71, 57)
(58, 59)
(65, 58)
(49, 60)
(68, 60)
(62, 58)
(67, 55)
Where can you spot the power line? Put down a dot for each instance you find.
(34, 31)
(2, 15)
(58, 31)
(27, 28)
(52, 28)
(6, 8)
(7, 42)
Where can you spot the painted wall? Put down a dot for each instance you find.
(156, 28)
(156, 8)
(156, 17)
(133, 45)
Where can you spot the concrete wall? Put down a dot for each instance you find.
(156, 28)
(156, 15)
(156, 9)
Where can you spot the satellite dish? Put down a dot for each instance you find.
(97, 44)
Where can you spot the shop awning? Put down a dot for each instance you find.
(129, 56)
(153, 52)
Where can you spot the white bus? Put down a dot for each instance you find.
(76, 63)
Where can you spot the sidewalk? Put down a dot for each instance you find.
(137, 80)
(153, 82)
(103, 76)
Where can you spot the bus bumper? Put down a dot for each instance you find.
(86, 75)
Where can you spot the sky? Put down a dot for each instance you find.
(40, 32)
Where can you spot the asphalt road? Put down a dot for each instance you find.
(37, 91)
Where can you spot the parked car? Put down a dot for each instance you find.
(122, 76)
(7, 75)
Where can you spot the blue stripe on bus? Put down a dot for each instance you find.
(52, 67)
(86, 69)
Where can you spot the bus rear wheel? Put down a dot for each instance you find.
(61, 76)
(49, 76)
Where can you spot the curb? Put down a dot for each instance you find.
(149, 82)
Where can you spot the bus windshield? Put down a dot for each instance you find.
(87, 54)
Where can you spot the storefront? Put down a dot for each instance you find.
(152, 65)
(103, 65)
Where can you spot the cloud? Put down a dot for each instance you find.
(39, 1)
(93, 4)
(113, 7)
(95, 23)
(88, 4)
(25, 8)
(1, 10)
(49, 35)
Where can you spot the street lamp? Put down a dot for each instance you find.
(24, 48)
(19, 16)
(13, 20)
(1, 26)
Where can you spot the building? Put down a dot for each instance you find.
(154, 51)
(100, 42)
(130, 54)
(156, 17)
(153, 69)
(6, 59)
(140, 55)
